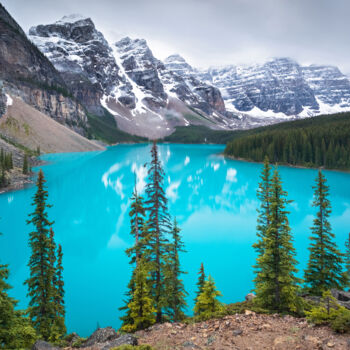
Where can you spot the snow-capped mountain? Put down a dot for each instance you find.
(145, 96)
(281, 88)
(149, 97)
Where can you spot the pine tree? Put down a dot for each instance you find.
(40, 283)
(137, 220)
(159, 227)
(58, 281)
(347, 258)
(275, 282)
(207, 304)
(138, 229)
(324, 270)
(264, 195)
(25, 168)
(142, 312)
(15, 330)
(174, 288)
(200, 283)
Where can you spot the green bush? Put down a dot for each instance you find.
(329, 312)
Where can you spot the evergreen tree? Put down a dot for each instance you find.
(324, 270)
(25, 168)
(15, 329)
(142, 312)
(174, 287)
(159, 227)
(275, 282)
(200, 283)
(137, 221)
(59, 295)
(264, 195)
(138, 229)
(207, 304)
(347, 258)
(41, 290)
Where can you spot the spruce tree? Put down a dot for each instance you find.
(138, 229)
(25, 168)
(200, 283)
(15, 329)
(40, 283)
(174, 288)
(347, 258)
(275, 283)
(59, 294)
(325, 266)
(207, 304)
(264, 196)
(142, 312)
(159, 226)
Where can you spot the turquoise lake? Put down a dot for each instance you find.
(214, 200)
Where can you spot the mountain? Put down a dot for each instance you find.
(280, 88)
(125, 78)
(70, 72)
(26, 72)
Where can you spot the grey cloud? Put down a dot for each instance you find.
(213, 32)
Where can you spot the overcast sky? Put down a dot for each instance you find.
(213, 32)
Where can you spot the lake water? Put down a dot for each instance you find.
(214, 200)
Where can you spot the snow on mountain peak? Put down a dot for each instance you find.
(73, 18)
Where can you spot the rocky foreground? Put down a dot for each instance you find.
(249, 331)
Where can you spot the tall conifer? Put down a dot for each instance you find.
(142, 312)
(264, 195)
(324, 270)
(159, 226)
(347, 258)
(174, 288)
(40, 283)
(200, 283)
(138, 229)
(275, 282)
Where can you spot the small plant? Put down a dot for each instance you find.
(329, 312)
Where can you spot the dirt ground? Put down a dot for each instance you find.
(249, 331)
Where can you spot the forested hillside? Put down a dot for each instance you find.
(320, 141)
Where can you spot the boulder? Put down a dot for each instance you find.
(125, 339)
(250, 296)
(342, 297)
(43, 345)
(101, 335)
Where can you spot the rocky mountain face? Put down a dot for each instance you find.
(145, 97)
(26, 72)
(280, 87)
(68, 69)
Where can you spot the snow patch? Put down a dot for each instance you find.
(9, 100)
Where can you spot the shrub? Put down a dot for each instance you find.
(329, 312)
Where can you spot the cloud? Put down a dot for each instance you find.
(141, 175)
(231, 175)
(115, 241)
(211, 32)
(215, 166)
(172, 190)
(116, 185)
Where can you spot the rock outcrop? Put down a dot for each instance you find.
(26, 72)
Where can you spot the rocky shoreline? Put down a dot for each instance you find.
(248, 331)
